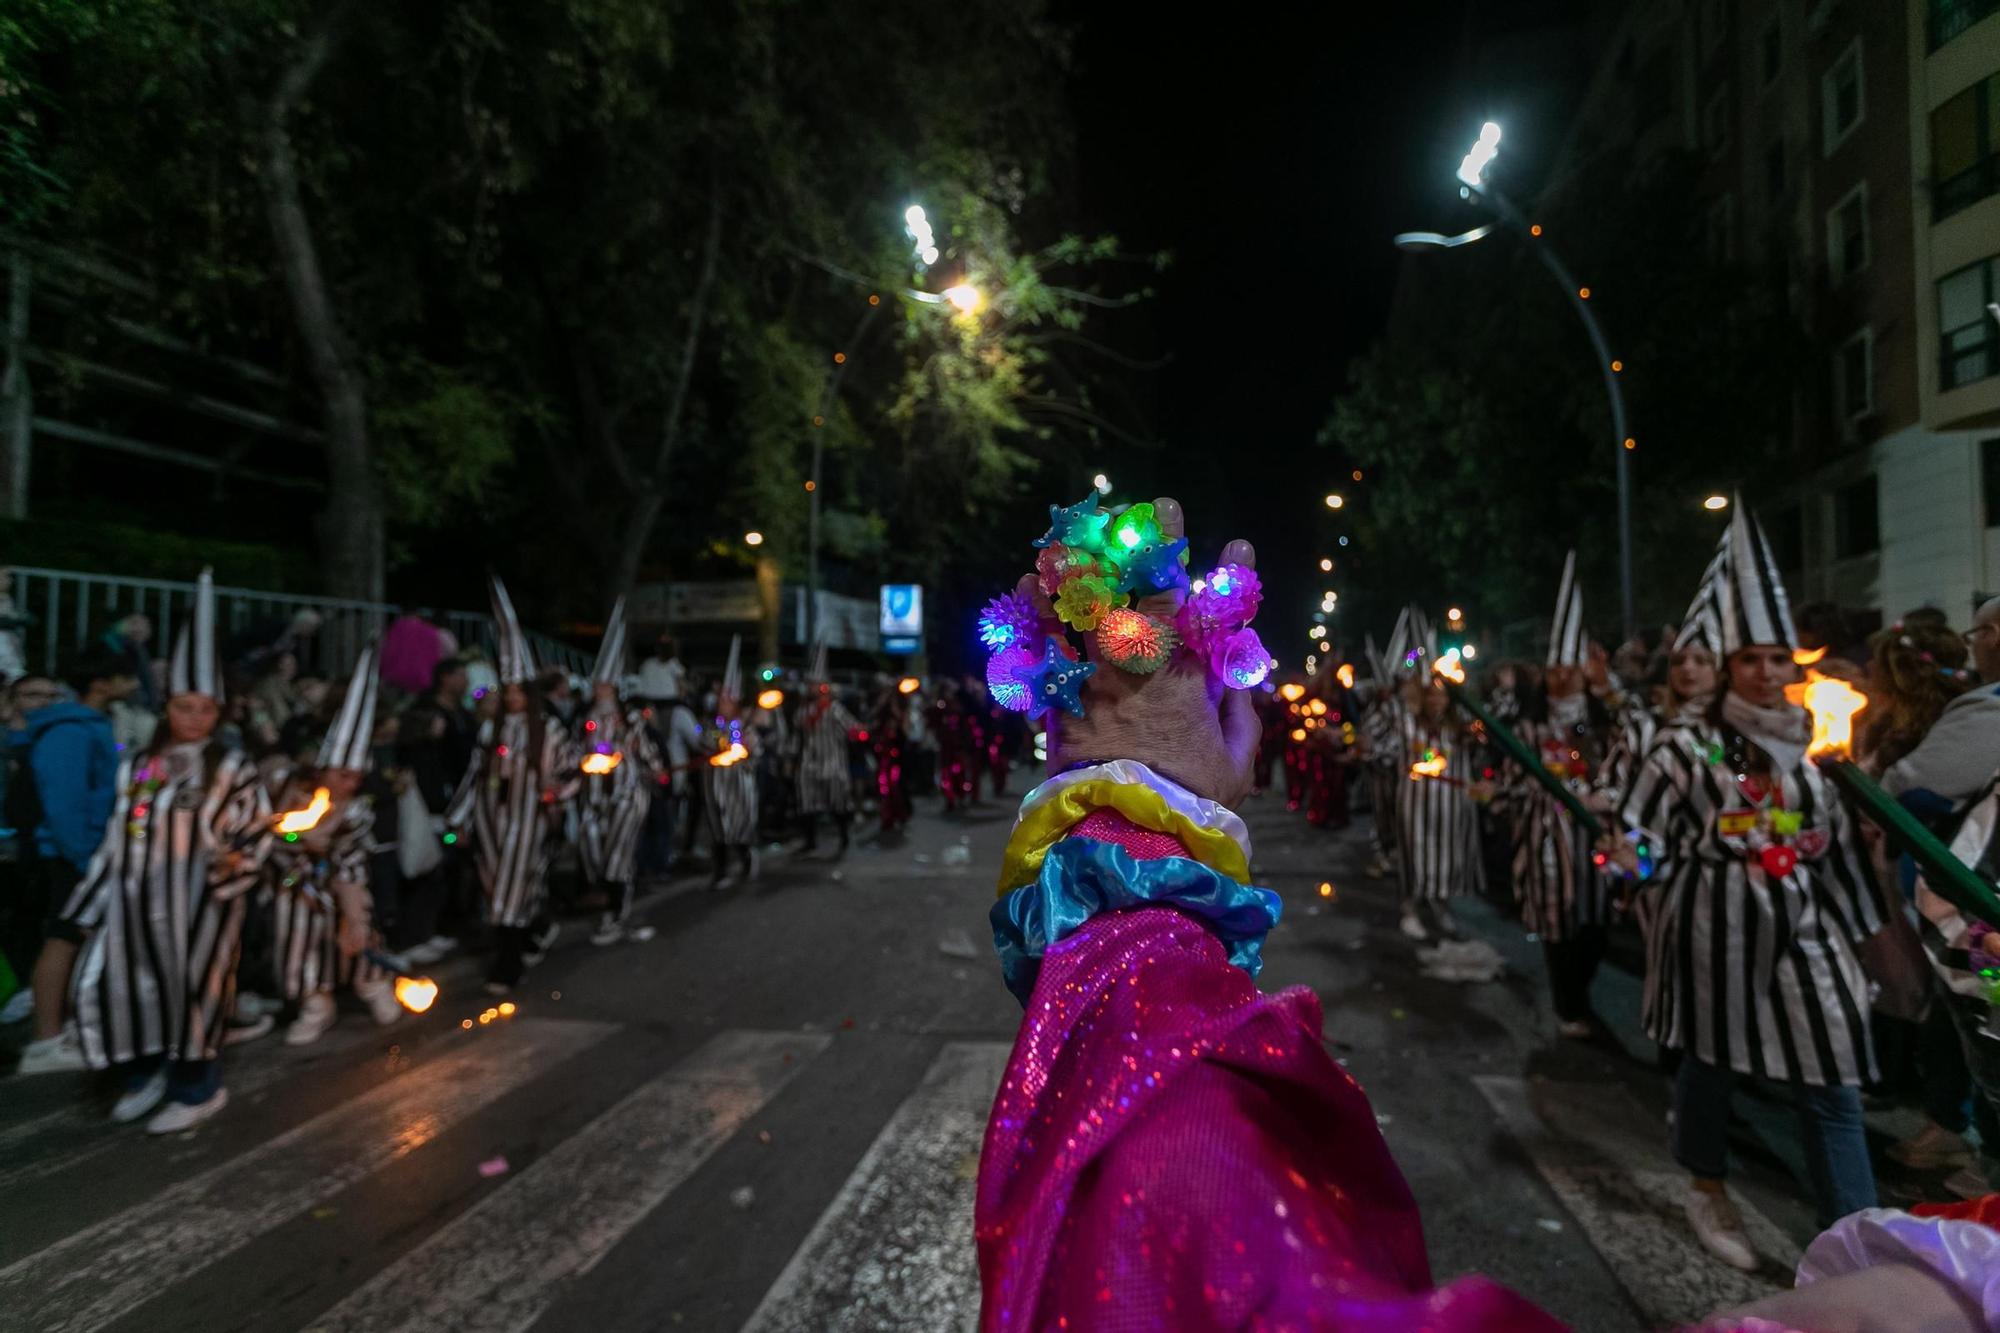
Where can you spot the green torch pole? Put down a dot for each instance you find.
(1521, 755)
(1948, 877)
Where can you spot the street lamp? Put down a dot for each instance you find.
(1102, 483)
(964, 296)
(1714, 502)
(753, 539)
(1326, 564)
(1472, 182)
(919, 226)
(1454, 615)
(1334, 502)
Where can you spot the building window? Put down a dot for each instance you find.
(1774, 168)
(1720, 225)
(1989, 478)
(1965, 148)
(1771, 51)
(1949, 18)
(1857, 519)
(1968, 335)
(1842, 98)
(1715, 124)
(1854, 377)
(1847, 235)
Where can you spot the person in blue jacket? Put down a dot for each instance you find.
(74, 762)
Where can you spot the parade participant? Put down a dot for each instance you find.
(1327, 751)
(620, 766)
(322, 911)
(730, 776)
(164, 899)
(889, 736)
(825, 785)
(521, 768)
(1000, 732)
(1565, 896)
(1381, 725)
(959, 746)
(1432, 758)
(1766, 899)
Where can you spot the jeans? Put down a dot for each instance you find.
(1829, 1121)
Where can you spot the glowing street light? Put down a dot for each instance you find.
(1102, 483)
(964, 296)
(1454, 615)
(1716, 502)
(1474, 166)
(1334, 502)
(753, 539)
(1326, 564)
(919, 227)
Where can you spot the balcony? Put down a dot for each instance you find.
(1950, 18)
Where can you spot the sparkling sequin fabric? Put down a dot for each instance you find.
(1171, 1150)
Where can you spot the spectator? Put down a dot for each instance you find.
(1915, 670)
(127, 639)
(434, 742)
(411, 650)
(558, 695)
(661, 676)
(1957, 755)
(274, 700)
(74, 765)
(13, 660)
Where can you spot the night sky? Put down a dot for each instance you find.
(1275, 153)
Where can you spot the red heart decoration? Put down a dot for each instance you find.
(1754, 788)
(1778, 861)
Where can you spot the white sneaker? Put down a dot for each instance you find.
(137, 1101)
(538, 945)
(640, 934)
(177, 1116)
(317, 1013)
(1719, 1228)
(380, 997)
(251, 1006)
(19, 1007)
(238, 1033)
(51, 1055)
(1446, 923)
(1413, 926)
(432, 949)
(608, 932)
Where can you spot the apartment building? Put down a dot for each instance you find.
(1855, 146)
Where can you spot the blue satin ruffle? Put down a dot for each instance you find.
(1081, 877)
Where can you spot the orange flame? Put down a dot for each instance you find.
(299, 821)
(1833, 703)
(601, 764)
(1291, 691)
(770, 699)
(1809, 657)
(416, 994)
(908, 685)
(1449, 667)
(1432, 767)
(734, 754)
(1345, 675)
(1298, 733)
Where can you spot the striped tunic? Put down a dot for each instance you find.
(158, 974)
(731, 805)
(1746, 969)
(1382, 724)
(824, 783)
(1437, 825)
(1556, 878)
(305, 906)
(613, 805)
(509, 800)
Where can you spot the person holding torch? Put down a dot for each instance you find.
(620, 767)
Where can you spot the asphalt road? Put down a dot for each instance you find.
(769, 1118)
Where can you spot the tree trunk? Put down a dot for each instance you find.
(642, 510)
(352, 527)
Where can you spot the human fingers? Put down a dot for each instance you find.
(1167, 512)
(1242, 729)
(1240, 552)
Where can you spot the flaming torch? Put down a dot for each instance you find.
(294, 822)
(416, 994)
(1452, 674)
(1833, 703)
(600, 762)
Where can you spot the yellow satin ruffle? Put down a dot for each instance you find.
(1044, 826)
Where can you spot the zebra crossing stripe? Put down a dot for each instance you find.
(894, 1250)
(95, 1275)
(1590, 1145)
(505, 1260)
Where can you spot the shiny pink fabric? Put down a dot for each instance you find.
(1106, 825)
(1171, 1150)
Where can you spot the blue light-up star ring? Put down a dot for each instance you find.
(1152, 568)
(1078, 525)
(1057, 681)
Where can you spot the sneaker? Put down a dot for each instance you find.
(608, 932)
(380, 997)
(141, 1097)
(1719, 1228)
(538, 945)
(52, 1055)
(238, 1033)
(1447, 924)
(177, 1116)
(1377, 868)
(1930, 1148)
(1413, 926)
(432, 949)
(1968, 1182)
(19, 1007)
(640, 934)
(316, 1014)
(251, 1006)
(721, 882)
(499, 988)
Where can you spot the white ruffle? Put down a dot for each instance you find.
(1966, 1254)
(1199, 810)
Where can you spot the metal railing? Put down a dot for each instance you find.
(71, 609)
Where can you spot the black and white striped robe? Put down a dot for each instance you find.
(158, 973)
(612, 806)
(1744, 970)
(305, 907)
(1437, 825)
(510, 801)
(1381, 722)
(1557, 881)
(730, 807)
(824, 783)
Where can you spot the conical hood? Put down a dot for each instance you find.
(732, 672)
(348, 742)
(1755, 610)
(1566, 637)
(610, 666)
(1703, 622)
(194, 669)
(1420, 642)
(817, 671)
(1378, 666)
(1399, 645)
(511, 657)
